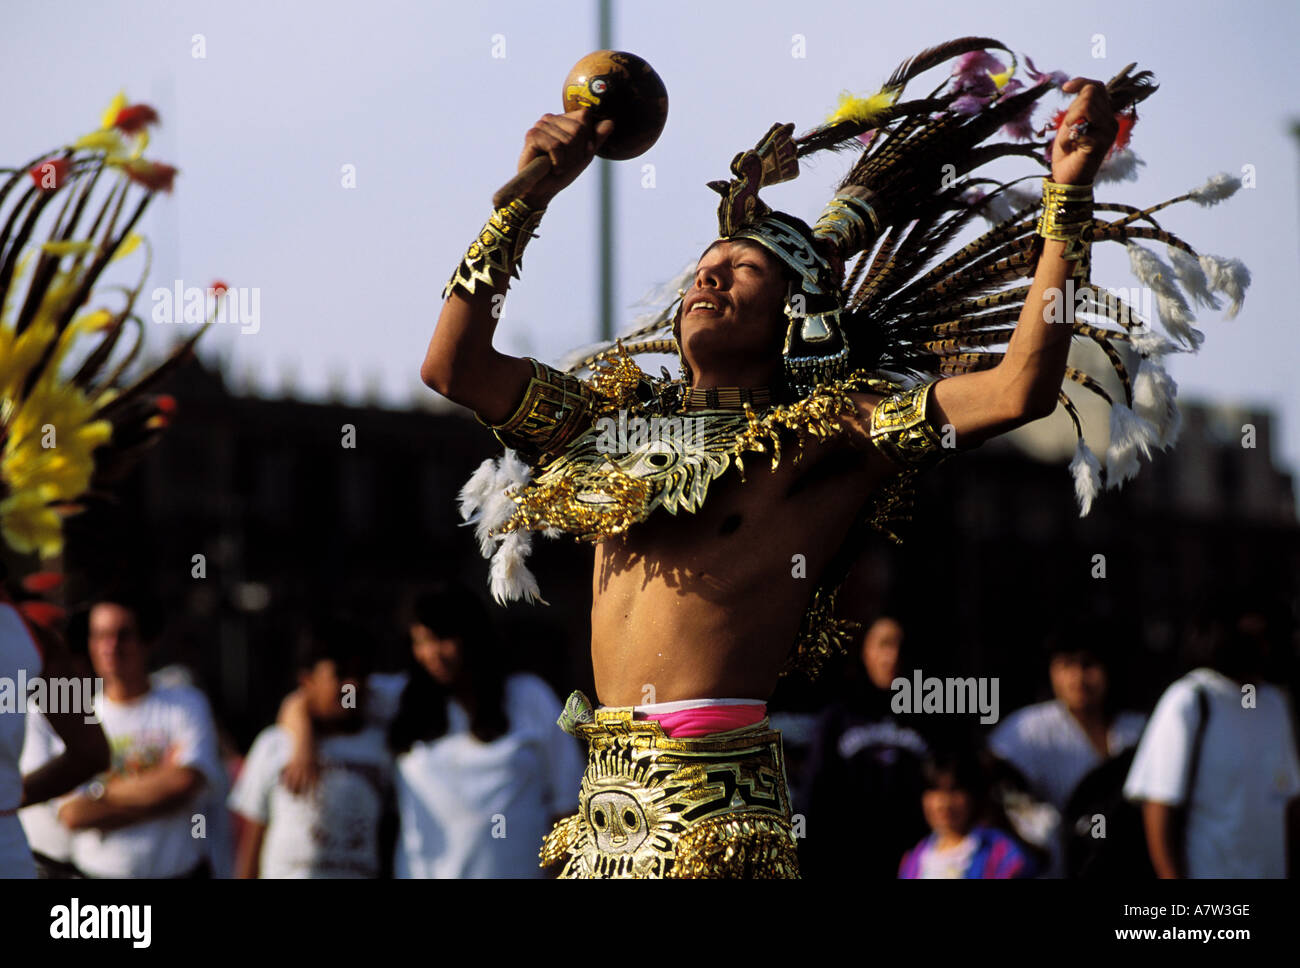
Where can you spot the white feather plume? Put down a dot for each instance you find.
(1130, 435)
(1148, 267)
(1155, 400)
(485, 499)
(1150, 343)
(476, 490)
(1215, 190)
(1176, 317)
(1119, 167)
(509, 576)
(1228, 276)
(1086, 470)
(1191, 276)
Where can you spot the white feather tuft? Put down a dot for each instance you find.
(1155, 400)
(477, 489)
(1192, 277)
(1150, 343)
(1215, 190)
(509, 576)
(1130, 435)
(1175, 314)
(485, 499)
(1149, 268)
(1119, 167)
(1176, 317)
(1228, 276)
(1086, 470)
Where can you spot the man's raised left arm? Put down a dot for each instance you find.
(1024, 386)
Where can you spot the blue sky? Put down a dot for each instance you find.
(412, 96)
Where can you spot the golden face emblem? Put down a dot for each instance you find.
(619, 821)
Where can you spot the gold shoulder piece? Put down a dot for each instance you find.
(901, 431)
(555, 409)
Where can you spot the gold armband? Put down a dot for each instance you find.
(498, 249)
(1067, 217)
(555, 409)
(901, 432)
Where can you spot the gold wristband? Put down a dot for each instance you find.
(1067, 211)
(1067, 217)
(498, 249)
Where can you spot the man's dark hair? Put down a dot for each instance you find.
(142, 606)
(961, 769)
(1085, 637)
(1248, 633)
(339, 638)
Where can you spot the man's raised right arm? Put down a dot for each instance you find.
(461, 362)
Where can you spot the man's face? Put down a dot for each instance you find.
(747, 290)
(324, 689)
(1079, 681)
(116, 650)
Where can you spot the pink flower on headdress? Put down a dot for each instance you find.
(972, 72)
(969, 104)
(1019, 127)
(1056, 77)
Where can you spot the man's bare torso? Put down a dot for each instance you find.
(706, 605)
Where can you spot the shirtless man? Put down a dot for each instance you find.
(703, 605)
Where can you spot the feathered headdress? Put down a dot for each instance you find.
(67, 430)
(885, 287)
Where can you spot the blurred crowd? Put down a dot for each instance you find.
(1207, 784)
(454, 767)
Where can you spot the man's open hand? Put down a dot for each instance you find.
(570, 141)
(1078, 152)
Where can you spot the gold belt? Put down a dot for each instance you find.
(687, 807)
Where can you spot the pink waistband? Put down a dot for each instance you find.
(704, 720)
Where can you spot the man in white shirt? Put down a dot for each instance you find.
(343, 825)
(1217, 772)
(1055, 744)
(139, 819)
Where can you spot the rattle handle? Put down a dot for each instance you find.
(530, 175)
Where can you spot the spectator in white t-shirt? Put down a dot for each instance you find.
(1053, 745)
(140, 819)
(1216, 772)
(340, 827)
(482, 769)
